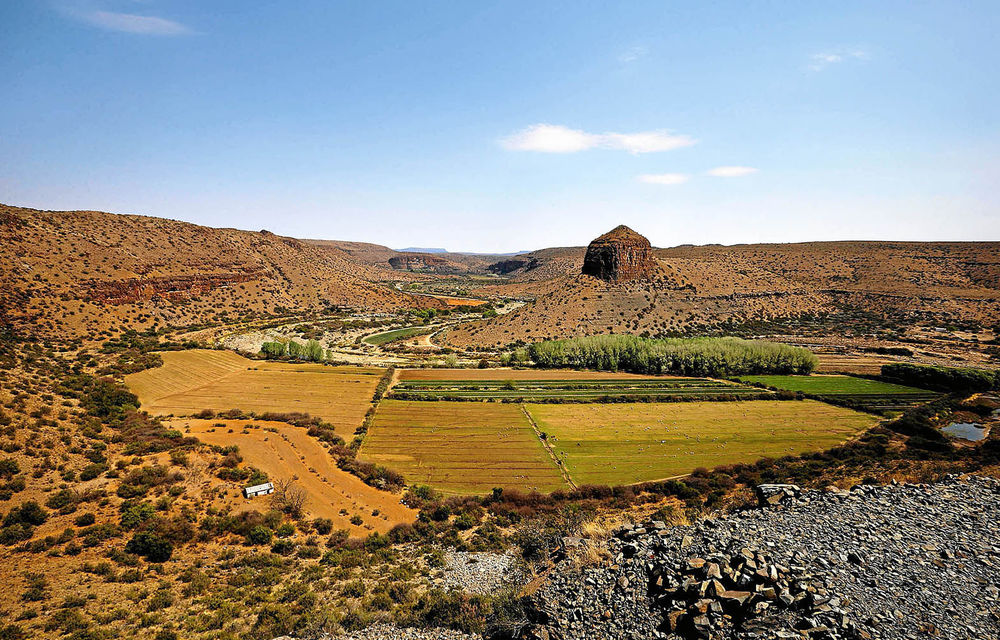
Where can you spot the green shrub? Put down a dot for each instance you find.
(150, 546)
(259, 535)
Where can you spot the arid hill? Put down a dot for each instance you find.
(907, 282)
(436, 263)
(80, 273)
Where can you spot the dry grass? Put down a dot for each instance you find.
(190, 381)
(460, 447)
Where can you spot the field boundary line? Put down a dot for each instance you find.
(552, 454)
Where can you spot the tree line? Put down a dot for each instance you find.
(947, 379)
(311, 350)
(717, 357)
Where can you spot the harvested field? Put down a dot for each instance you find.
(871, 394)
(190, 381)
(283, 451)
(578, 390)
(851, 363)
(628, 443)
(460, 447)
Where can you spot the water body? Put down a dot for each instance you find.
(966, 430)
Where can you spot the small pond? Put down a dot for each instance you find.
(966, 430)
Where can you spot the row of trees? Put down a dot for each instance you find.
(687, 356)
(311, 350)
(948, 379)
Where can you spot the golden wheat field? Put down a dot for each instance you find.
(460, 447)
(617, 444)
(190, 381)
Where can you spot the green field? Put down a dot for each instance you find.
(872, 394)
(460, 447)
(397, 334)
(628, 443)
(582, 389)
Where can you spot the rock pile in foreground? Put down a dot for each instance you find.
(908, 561)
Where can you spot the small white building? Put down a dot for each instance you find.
(258, 490)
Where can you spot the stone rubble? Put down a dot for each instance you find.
(908, 561)
(478, 572)
(897, 562)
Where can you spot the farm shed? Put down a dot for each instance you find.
(258, 490)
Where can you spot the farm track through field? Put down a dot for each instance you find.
(284, 451)
(552, 454)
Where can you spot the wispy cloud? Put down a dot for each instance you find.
(632, 54)
(731, 172)
(554, 138)
(822, 60)
(663, 178)
(132, 23)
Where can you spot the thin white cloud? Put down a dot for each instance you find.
(822, 60)
(663, 178)
(554, 138)
(632, 54)
(133, 23)
(731, 172)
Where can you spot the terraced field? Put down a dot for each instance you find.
(627, 443)
(568, 389)
(872, 394)
(190, 381)
(460, 447)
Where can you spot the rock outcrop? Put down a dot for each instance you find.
(619, 255)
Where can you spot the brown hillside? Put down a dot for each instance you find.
(919, 282)
(76, 273)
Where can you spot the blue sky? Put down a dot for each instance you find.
(514, 125)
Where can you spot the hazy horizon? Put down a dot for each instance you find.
(496, 129)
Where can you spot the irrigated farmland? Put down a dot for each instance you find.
(512, 374)
(627, 443)
(190, 381)
(460, 447)
(283, 451)
(870, 394)
(564, 390)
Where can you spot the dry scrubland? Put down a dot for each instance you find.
(460, 447)
(190, 381)
(283, 452)
(628, 443)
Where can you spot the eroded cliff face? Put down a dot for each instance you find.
(619, 255)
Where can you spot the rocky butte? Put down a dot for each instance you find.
(619, 255)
